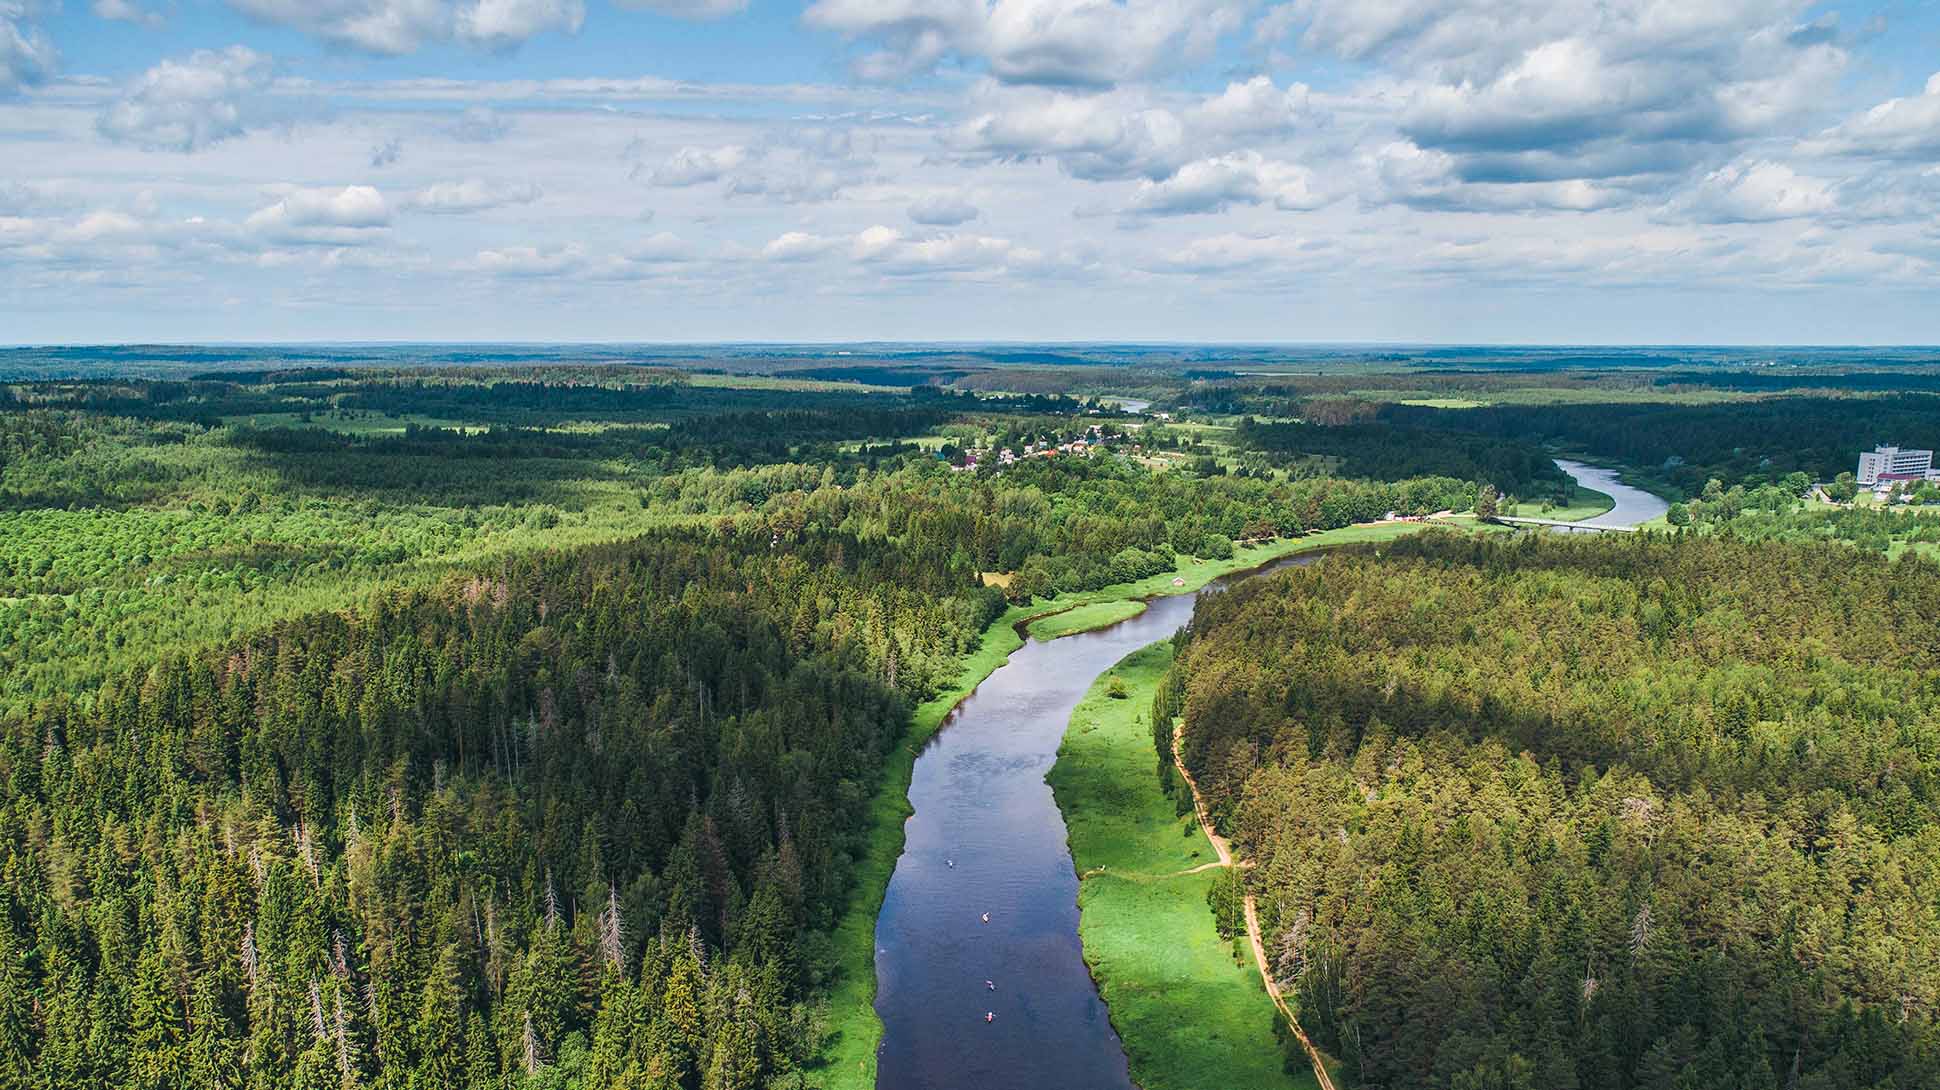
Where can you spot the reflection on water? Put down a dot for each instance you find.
(987, 837)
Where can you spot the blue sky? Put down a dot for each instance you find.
(1242, 170)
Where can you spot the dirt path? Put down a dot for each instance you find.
(1225, 852)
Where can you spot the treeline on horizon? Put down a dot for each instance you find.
(1560, 812)
(1685, 446)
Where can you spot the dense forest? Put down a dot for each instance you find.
(125, 537)
(494, 730)
(1575, 812)
(574, 817)
(1387, 453)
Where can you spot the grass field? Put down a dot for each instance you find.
(854, 1028)
(1190, 1015)
(1084, 619)
(1585, 503)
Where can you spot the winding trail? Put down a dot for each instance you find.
(1224, 850)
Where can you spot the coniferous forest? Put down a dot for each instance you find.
(538, 728)
(1578, 812)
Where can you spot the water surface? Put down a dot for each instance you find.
(987, 837)
(1634, 505)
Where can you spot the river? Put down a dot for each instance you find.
(1634, 505)
(987, 837)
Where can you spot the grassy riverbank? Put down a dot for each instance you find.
(1189, 1014)
(1585, 503)
(1084, 619)
(850, 1063)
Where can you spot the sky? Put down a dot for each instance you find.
(1475, 171)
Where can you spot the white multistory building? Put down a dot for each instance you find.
(1896, 463)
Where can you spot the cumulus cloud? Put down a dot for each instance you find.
(1125, 133)
(26, 56)
(1756, 192)
(1214, 185)
(522, 262)
(470, 195)
(1255, 107)
(809, 171)
(890, 251)
(1430, 180)
(942, 210)
(1092, 136)
(1556, 90)
(395, 27)
(183, 105)
(1089, 43)
(799, 246)
(348, 216)
(1900, 128)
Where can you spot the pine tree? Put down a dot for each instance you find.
(157, 1060)
(17, 1030)
(680, 1032)
(213, 1050)
(481, 1058)
(440, 1029)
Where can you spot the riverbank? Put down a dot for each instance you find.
(1188, 1014)
(854, 1029)
(1084, 619)
(1585, 503)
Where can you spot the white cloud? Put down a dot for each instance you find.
(183, 105)
(664, 248)
(470, 195)
(694, 166)
(890, 251)
(809, 171)
(1227, 253)
(394, 27)
(501, 24)
(125, 11)
(520, 262)
(1092, 136)
(26, 55)
(1214, 185)
(1256, 107)
(102, 225)
(1094, 43)
(1429, 180)
(651, 258)
(1555, 90)
(349, 216)
(1756, 192)
(1901, 128)
(799, 246)
(942, 210)
(1126, 133)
